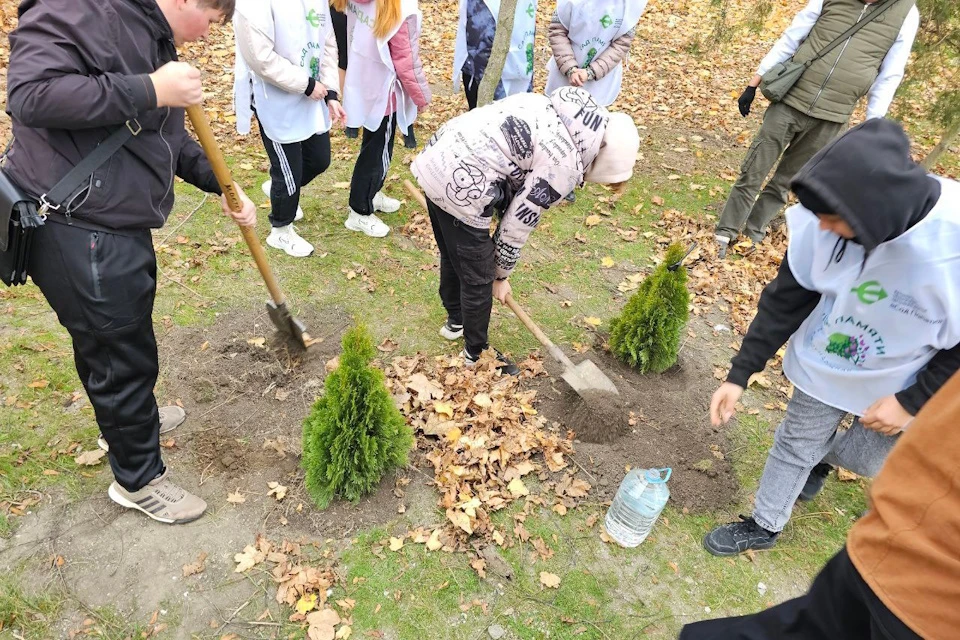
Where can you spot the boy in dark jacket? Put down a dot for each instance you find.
(79, 70)
(868, 296)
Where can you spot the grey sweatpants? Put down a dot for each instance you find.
(807, 436)
(787, 140)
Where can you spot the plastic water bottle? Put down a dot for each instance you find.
(641, 497)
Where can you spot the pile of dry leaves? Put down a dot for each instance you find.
(301, 586)
(483, 437)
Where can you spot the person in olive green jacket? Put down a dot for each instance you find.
(818, 107)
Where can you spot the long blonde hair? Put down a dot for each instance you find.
(388, 15)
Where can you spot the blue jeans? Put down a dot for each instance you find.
(807, 436)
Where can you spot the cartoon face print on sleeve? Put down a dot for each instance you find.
(467, 184)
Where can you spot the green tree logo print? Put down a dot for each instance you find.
(313, 18)
(529, 58)
(849, 348)
(530, 10)
(870, 292)
(606, 21)
(315, 68)
(590, 56)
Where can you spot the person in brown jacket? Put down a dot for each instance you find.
(899, 575)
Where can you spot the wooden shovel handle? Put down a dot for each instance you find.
(416, 194)
(540, 335)
(200, 124)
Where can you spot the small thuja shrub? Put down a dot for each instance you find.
(646, 334)
(354, 433)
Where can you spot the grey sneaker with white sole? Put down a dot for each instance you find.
(161, 500)
(170, 418)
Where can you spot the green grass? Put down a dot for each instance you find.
(605, 591)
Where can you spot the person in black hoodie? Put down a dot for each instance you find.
(79, 70)
(868, 295)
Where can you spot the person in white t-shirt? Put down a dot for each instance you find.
(384, 90)
(868, 295)
(286, 74)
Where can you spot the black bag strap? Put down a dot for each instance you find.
(54, 199)
(846, 35)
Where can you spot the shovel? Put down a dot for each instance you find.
(285, 323)
(585, 378)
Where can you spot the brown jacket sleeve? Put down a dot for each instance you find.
(612, 55)
(560, 45)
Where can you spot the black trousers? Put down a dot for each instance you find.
(471, 89)
(293, 166)
(102, 287)
(467, 269)
(839, 605)
(370, 172)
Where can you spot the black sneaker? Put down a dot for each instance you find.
(737, 537)
(451, 330)
(570, 197)
(506, 364)
(352, 132)
(815, 481)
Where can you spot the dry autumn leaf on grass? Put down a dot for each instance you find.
(550, 580)
(90, 458)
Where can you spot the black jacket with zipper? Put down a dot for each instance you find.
(78, 70)
(867, 178)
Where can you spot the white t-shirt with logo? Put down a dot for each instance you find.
(591, 26)
(299, 29)
(880, 322)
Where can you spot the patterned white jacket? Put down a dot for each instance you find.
(519, 155)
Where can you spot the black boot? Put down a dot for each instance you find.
(352, 132)
(738, 537)
(815, 481)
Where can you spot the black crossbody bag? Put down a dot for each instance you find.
(21, 214)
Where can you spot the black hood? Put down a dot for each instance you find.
(868, 178)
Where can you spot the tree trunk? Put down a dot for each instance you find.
(498, 56)
(949, 136)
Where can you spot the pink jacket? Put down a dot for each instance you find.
(405, 53)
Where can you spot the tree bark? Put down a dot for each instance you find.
(948, 137)
(498, 55)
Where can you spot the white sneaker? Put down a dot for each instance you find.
(266, 189)
(385, 204)
(286, 239)
(370, 225)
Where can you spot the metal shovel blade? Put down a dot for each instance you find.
(287, 324)
(587, 376)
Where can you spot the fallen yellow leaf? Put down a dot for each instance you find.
(444, 409)
(550, 580)
(593, 321)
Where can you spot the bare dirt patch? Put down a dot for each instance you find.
(661, 421)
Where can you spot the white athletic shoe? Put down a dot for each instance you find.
(385, 204)
(286, 239)
(266, 189)
(370, 225)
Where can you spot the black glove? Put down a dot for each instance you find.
(746, 99)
